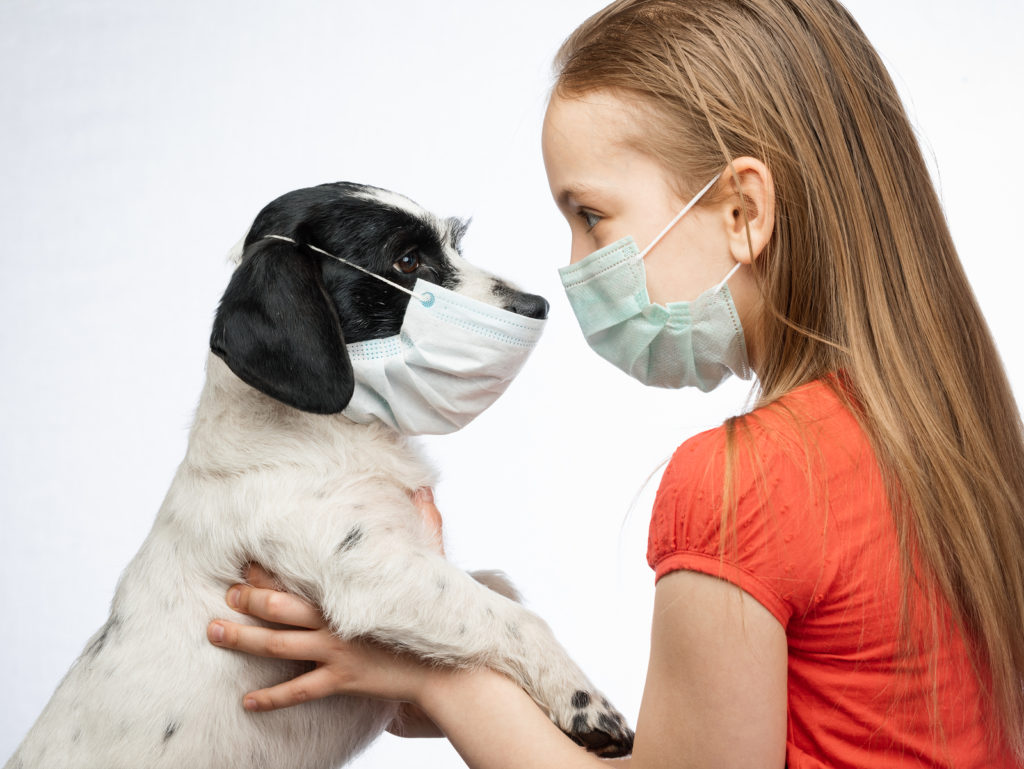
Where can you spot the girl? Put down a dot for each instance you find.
(840, 572)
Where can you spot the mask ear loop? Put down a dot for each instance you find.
(679, 216)
(426, 298)
(726, 278)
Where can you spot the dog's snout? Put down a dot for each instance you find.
(530, 305)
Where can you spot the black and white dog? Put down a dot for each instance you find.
(275, 475)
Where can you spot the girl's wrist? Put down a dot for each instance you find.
(444, 691)
(494, 724)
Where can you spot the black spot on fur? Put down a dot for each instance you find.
(608, 723)
(353, 538)
(96, 646)
(170, 731)
(580, 700)
(579, 723)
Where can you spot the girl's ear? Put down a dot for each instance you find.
(749, 209)
(278, 330)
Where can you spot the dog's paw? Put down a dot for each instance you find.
(597, 726)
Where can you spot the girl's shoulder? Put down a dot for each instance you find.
(810, 422)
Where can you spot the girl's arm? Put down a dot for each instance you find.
(715, 693)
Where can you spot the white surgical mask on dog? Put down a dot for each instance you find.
(451, 359)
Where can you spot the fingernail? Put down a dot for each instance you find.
(233, 595)
(217, 633)
(250, 704)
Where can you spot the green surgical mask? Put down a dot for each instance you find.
(682, 344)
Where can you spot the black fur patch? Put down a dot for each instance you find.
(353, 538)
(279, 332)
(580, 700)
(170, 731)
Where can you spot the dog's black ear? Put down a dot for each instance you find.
(278, 330)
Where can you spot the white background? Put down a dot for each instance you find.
(139, 139)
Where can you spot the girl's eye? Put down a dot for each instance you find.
(590, 218)
(410, 262)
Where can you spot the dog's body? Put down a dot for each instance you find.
(324, 504)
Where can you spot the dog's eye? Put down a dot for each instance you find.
(408, 263)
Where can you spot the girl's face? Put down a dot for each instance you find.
(607, 189)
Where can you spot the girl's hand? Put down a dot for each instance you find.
(342, 667)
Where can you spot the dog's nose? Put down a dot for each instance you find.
(530, 305)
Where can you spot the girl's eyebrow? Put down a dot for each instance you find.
(573, 191)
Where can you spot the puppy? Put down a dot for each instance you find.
(277, 473)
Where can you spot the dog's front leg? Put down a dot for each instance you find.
(375, 583)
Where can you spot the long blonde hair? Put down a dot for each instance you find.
(860, 277)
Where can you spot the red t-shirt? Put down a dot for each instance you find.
(814, 543)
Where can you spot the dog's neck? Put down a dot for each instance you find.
(237, 428)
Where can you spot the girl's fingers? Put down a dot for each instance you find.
(309, 686)
(274, 606)
(424, 501)
(300, 645)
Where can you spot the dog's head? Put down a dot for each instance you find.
(289, 311)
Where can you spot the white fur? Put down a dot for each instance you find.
(235, 254)
(401, 202)
(473, 282)
(266, 483)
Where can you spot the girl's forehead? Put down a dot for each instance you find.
(586, 132)
(595, 111)
(590, 153)
(579, 146)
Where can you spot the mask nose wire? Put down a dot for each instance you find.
(679, 216)
(426, 298)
